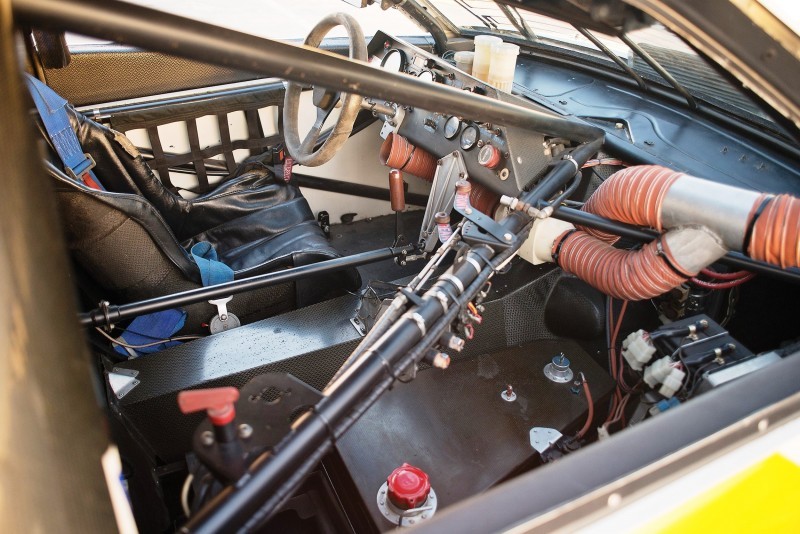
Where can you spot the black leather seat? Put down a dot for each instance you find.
(131, 242)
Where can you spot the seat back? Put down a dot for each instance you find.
(131, 240)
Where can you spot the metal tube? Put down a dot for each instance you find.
(52, 426)
(115, 314)
(614, 57)
(733, 259)
(723, 208)
(656, 66)
(178, 36)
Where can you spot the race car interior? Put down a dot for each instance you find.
(455, 286)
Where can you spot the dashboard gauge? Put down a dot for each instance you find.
(427, 76)
(451, 127)
(469, 137)
(394, 60)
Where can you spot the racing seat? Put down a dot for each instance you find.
(130, 242)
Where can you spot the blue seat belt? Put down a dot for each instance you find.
(162, 325)
(53, 111)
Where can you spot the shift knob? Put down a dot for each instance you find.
(397, 193)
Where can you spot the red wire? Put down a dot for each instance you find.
(725, 276)
(590, 415)
(617, 374)
(721, 285)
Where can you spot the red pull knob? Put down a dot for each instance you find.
(218, 402)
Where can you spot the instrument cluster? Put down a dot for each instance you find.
(505, 159)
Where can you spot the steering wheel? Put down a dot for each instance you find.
(324, 100)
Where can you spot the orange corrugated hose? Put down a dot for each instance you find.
(623, 274)
(775, 237)
(398, 153)
(633, 195)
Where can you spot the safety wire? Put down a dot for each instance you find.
(117, 341)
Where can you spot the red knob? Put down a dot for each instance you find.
(408, 487)
(218, 402)
(489, 156)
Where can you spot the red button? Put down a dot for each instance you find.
(489, 156)
(408, 487)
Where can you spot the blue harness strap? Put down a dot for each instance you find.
(212, 271)
(53, 111)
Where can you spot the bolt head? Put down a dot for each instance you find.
(207, 438)
(507, 236)
(245, 431)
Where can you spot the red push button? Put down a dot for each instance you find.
(408, 487)
(489, 156)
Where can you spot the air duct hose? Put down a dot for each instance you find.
(704, 220)
(398, 153)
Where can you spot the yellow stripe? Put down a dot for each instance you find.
(762, 498)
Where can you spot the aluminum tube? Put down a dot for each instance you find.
(178, 36)
(723, 208)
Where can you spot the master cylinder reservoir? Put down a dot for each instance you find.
(502, 66)
(483, 55)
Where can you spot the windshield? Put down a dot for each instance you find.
(690, 70)
(277, 19)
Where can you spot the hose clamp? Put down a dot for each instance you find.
(572, 160)
(442, 298)
(417, 318)
(455, 281)
(472, 261)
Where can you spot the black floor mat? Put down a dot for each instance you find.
(374, 233)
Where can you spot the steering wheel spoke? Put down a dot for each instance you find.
(324, 100)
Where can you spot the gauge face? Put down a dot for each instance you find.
(469, 137)
(451, 127)
(394, 60)
(427, 76)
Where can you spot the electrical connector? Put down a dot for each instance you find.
(672, 382)
(664, 405)
(637, 349)
(658, 371)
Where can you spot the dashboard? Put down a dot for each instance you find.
(504, 159)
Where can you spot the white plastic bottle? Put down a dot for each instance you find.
(483, 55)
(502, 66)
